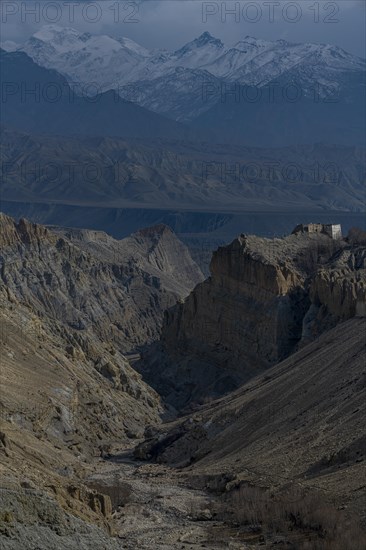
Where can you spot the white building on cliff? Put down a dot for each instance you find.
(332, 230)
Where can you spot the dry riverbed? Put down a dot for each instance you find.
(156, 507)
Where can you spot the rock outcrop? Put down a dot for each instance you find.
(153, 250)
(88, 279)
(340, 286)
(264, 299)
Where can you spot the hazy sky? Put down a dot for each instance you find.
(170, 24)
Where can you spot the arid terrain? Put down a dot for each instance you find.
(182, 275)
(143, 407)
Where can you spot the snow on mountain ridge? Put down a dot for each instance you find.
(49, 32)
(204, 51)
(203, 40)
(119, 63)
(133, 46)
(85, 58)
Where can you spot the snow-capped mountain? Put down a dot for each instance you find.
(83, 58)
(200, 52)
(171, 82)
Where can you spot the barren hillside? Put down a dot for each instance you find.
(302, 423)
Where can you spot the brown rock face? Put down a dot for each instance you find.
(79, 301)
(88, 280)
(248, 306)
(65, 325)
(264, 299)
(153, 251)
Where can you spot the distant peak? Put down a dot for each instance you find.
(155, 231)
(207, 38)
(52, 27)
(203, 40)
(9, 46)
(48, 32)
(252, 41)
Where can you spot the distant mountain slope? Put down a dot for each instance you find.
(286, 115)
(180, 175)
(182, 94)
(54, 108)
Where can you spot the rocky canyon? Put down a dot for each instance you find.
(145, 406)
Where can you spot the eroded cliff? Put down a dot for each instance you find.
(264, 299)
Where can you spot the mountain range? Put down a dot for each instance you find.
(250, 61)
(194, 176)
(230, 92)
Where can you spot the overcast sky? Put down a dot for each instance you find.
(170, 24)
